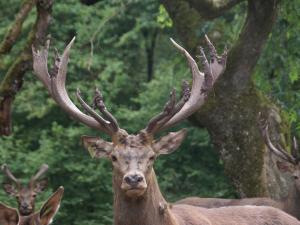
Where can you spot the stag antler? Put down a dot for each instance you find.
(9, 174)
(55, 84)
(172, 113)
(43, 169)
(192, 100)
(279, 150)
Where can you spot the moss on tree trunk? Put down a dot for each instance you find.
(232, 109)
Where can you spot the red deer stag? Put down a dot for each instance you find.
(10, 216)
(25, 194)
(137, 197)
(289, 204)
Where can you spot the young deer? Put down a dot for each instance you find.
(10, 216)
(25, 194)
(137, 197)
(289, 204)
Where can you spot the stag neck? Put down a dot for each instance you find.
(291, 202)
(146, 210)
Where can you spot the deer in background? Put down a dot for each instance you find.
(290, 164)
(25, 194)
(137, 197)
(10, 216)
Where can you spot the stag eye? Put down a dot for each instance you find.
(114, 158)
(295, 177)
(34, 195)
(152, 158)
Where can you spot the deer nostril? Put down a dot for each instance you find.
(133, 179)
(139, 179)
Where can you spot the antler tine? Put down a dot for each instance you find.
(55, 84)
(99, 103)
(9, 174)
(280, 152)
(90, 110)
(202, 82)
(170, 109)
(43, 169)
(295, 149)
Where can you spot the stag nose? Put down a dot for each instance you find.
(25, 205)
(133, 179)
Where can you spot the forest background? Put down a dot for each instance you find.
(123, 48)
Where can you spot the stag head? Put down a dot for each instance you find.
(290, 162)
(132, 156)
(25, 194)
(43, 217)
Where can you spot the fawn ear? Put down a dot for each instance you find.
(10, 189)
(169, 143)
(285, 166)
(97, 147)
(41, 185)
(50, 208)
(8, 215)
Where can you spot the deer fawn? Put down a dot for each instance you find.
(10, 216)
(290, 164)
(25, 194)
(137, 197)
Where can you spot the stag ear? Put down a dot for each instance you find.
(97, 147)
(285, 166)
(50, 208)
(40, 185)
(10, 189)
(169, 143)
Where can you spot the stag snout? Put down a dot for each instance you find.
(25, 209)
(134, 183)
(133, 179)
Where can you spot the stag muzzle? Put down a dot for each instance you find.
(25, 209)
(134, 183)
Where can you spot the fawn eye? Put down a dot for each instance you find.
(295, 177)
(34, 195)
(114, 158)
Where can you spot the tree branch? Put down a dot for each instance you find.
(243, 56)
(13, 78)
(210, 9)
(16, 28)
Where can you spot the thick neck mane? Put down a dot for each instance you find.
(143, 210)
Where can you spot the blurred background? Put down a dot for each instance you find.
(123, 48)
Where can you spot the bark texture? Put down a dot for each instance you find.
(231, 112)
(13, 77)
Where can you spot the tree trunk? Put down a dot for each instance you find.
(231, 112)
(13, 78)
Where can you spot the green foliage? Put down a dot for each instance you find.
(109, 53)
(278, 69)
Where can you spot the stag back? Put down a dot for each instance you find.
(25, 194)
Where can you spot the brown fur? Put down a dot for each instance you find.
(145, 210)
(142, 203)
(9, 216)
(289, 204)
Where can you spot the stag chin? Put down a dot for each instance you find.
(134, 191)
(26, 212)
